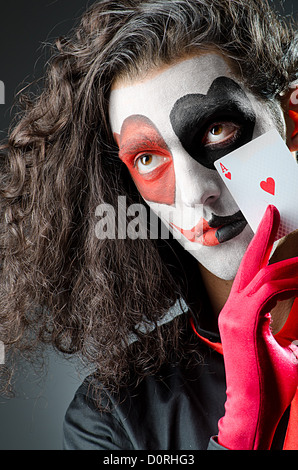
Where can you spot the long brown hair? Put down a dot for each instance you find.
(60, 284)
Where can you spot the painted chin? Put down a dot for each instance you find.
(206, 234)
(222, 260)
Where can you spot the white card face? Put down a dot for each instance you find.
(261, 173)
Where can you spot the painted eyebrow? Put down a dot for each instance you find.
(140, 141)
(139, 133)
(225, 100)
(193, 118)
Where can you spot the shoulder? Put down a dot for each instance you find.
(88, 427)
(134, 418)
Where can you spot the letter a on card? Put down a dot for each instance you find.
(223, 168)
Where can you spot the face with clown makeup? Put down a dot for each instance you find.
(171, 126)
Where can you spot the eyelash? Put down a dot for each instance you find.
(163, 158)
(226, 141)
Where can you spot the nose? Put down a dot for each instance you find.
(197, 184)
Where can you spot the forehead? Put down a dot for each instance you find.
(155, 94)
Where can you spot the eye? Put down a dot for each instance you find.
(221, 133)
(149, 162)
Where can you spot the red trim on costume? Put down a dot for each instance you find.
(216, 346)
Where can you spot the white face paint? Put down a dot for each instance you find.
(170, 127)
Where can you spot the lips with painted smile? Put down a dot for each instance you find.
(218, 230)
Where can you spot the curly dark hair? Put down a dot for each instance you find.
(60, 284)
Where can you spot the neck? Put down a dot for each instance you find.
(217, 290)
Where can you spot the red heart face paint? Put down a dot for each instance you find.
(169, 151)
(143, 150)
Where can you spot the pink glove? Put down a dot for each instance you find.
(262, 375)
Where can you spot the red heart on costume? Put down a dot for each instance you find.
(268, 186)
(228, 175)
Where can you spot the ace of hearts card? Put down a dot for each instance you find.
(261, 173)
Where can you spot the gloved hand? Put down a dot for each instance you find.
(261, 374)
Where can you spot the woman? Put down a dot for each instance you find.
(140, 103)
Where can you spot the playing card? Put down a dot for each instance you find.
(260, 173)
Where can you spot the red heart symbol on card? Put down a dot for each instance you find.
(268, 186)
(228, 175)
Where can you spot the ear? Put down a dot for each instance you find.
(290, 106)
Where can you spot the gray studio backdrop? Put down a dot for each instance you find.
(33, 420)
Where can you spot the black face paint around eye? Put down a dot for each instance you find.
(192, 114)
